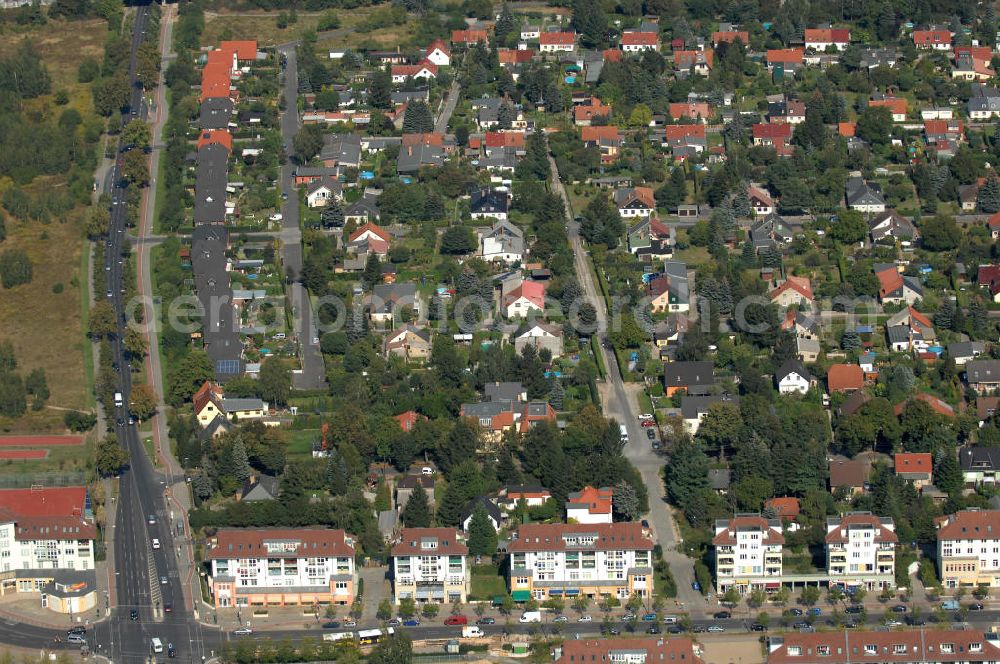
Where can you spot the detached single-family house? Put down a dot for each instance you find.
(760, 201)
(589, 505)
(489, 203)
(692, 377)
(897, 106)
(983, 376)
(896, 288)
(389, 300)
(425, 70)
(539, 336)
(938, 40)
(503, 241)
(845, 378)
(698, 62)
(493, 513)
(438, 53)
(320, 192)
(527, 297)
(793, 291)
(773, 135)
(636, 42)
(984, 104)
(408, 342)
(651, 238)
(671, 291)
(962, 352)
(863, 196)
(793, 378)
(820, 39)
(891, 225)
(556, 42)
(634, 201)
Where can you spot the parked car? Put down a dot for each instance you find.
(716, 628)
(76, 630)
(894, 623)
(649, 617)
(486, 621)
(584, 618)
(456, 620)
(899, 608)
(723, 615)
(653, 629)
(854, 609)
(242, 631)
(412, 622)
(757, 627)
(396, 622)
(975, 606)
(560, 619)
(614, 631)
(133, 615)
(815, 611)
(800, 624)
(333, 624)
(350, 623)
(795, 611)
(650, 434)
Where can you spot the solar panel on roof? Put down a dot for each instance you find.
(227, 366)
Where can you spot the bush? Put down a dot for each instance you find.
(57, 287)
(15, 268)
(79, 422)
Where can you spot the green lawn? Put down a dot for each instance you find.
(486, 583)
(300, 442)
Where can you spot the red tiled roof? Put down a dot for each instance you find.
(308, 543)
(47, 513)
(847, 129)
(501, 139)
(849, 521)
(514, 56)
(375, 229)
(595, 501)
(439, 44)
(585, 112)
(842, 647)
(931, 37)
(834, 35)
(244, 49)
(680, 132)
(409, 419)
(640, 39)
(988, 275)
(889, 281)
(919, 317)
(970, 525)
(785, 55)
(215, 81)
(594, 134)
(413, 70)
(533, 291)
(845, 377)
(468, 36)
(220, 136)
(994, 221)
(447, 539)
(729, 36)
(773, 131)
(751, 522)
(783, 508)
(430, 139)
(937, 405)
(612, 55)
(914, 462)
(209, 391)
(690, 109)
(798, 284)
(941, 127)
(684, 59)
(557, 38)
(896, 105)
(609, 537)
(658, 649)
(977, 52)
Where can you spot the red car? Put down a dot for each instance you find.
(648, 423)
(456, 620)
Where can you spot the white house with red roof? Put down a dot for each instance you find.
(861, 551)
(48, 538)
(281, 566)
(556, 42)
(438, 53)
(748, 553)
(423, 70)
(571, 560)
(589, 505)
(429, 565)
(820, 39)
(524, 299)
(760, 201)
(793, 291)
(637, 42)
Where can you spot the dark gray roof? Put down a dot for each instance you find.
(861, 192)
(688, 374)
(211, 179)
(404, 96)
(366, 205)
(387, 297)
(792, 366)
(900, 334)
(966, 349)
(693, 406)
(411, 158)
(718, 479)
(264, 488)
(208, 262)
(979, 458)
(216, 113)
(983, 371)
(491, 509)
(345, 149)
(489, 201)
(504, 391)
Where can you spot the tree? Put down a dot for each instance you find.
(102, 320)
(135, 168)
(850, 228)
(142, 401)
(875, 125)
(731, 597)
(275, 381)
(591, 22)
(940, 233)
(482, 536)
(602, 224)
(15, 268)
(135, 135)
(988, 197)
(417, 512)
(373, 271)
(307, 142)
(625, 502)
(188, 375)
(535, 163)
(640, 117)
(111, 457)
(332, 215)
(380, 91)
(111, 94)
(384, 611)
(505, 25)
(458, 240)
(407, 607)
(687, 472)
(135, 343)
(98, 220)
(418, 118)
(809, 595)
(241, 462)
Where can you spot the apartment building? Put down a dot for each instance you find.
(969, 549)
(929, 646)
(636, 650)
(861, 551)
(569, 560)
(47, 546)
(748, 553)
(429, 565)
(281, 567)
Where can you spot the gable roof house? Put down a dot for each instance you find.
(503, 241)
(322, 191)
(524, 299)
(363, 210)
(425, 70)
(438, 53)
(388, 300)
(493, 513)
(896, 288)
(984, 104)
(259, 488)
(908, 329)
(468, 37)
(671, 291)
(891, 225)
(634, 201)
(773, 135)
(694, 110)
(730, 36)
(698, 62)
(408, 342)
(962, 352)
(792, 377)
(589, 505)
(820, 39)
(793, 291)
(584, 114)
(489, 203)
(556, 42)
(897, 106)
(983, 376)
(694, 408)
(786, 60)
(538, 336)
(607, 139)
(844, 378)
(771, 232)
(637, 42)
(692, 377)
(862, 195)
(938, 40)
(760, 201)
(988, 277)
(849, 474)
(684, 141)
(651, 238)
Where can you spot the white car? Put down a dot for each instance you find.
(275, 217)
(645, 416)
(426, 470)
(156, 544)
(243, 631)
(586, 618)
(716, 628)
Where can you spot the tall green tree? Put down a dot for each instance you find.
(418, 118)
(591, 22)
(417, 512)
(482, 536)
(275, 381)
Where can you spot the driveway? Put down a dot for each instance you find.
(619, 405)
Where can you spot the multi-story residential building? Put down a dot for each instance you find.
(861, 551)
(641, 650)
(281, 566)
(969, 549)
(923, 646)
(748, 552)
(569, 560)
(47, 546)
(429, 565)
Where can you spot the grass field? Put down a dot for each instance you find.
(300, 442)
(486, 583)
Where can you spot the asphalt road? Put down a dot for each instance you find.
(313, 374)
(618, 405)
(138, 565)
(454, 93)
